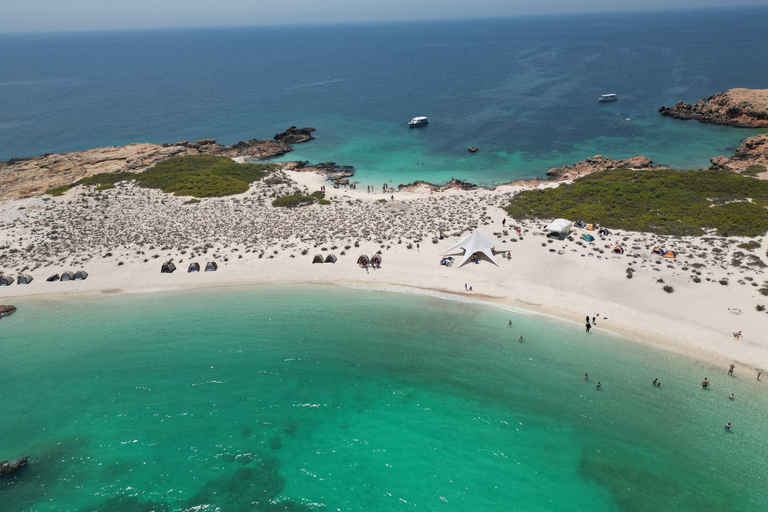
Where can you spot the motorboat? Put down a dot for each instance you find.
(605, 98)
(418, 121)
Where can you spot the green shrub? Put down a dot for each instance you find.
(749, 246)
(194, 175)
(663, 201)
(324, 202)
(760, 307)
(191, 201)
(753, 170)
(58, 191)
(668, 289)
(292, 201)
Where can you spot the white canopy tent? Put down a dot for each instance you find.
(477, 243)
(560, 226)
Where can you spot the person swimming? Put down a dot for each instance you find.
(521, 339)
(728, 426)
(586, 376)
(731, 397)
(598, 384)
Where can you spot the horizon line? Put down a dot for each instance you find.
(380, 22)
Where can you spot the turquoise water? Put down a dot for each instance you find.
(524, 90)
(299, 398)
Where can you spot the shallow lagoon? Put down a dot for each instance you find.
(317, 397)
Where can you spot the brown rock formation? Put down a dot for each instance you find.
(294, 135)
(453, 184)
(9, 467)
(27, 177)
(753, 151)
(328, 169)
(595, 164)
(745, 108)
(7, 310)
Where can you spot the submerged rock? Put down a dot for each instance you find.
(9, 467)
(5, 311)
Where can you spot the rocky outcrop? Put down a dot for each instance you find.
(295, 135)
(753, 151)
(453, 184)
(28, 177)
(745, 108)
(9, 467)
(7, 310)
(330, 170)
(595, 164)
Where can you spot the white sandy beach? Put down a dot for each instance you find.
(123, 235)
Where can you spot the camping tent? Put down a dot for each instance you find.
(24, 279)
(6, 280)
(618, 250)
(363, 260)
(82, 275)
(477, 243)
(194, 267)
(211, 266)
(376, 260)
(167, 268)
(670, 254)
(588, 238)
(658, 251)
(318, 258)
(560, 227)
(331, 258)
(580, 224)
(67, 275)
(603, 232)
(54, 277)
(591, 227)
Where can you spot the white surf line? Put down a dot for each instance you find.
(315, 83)
(479, 302)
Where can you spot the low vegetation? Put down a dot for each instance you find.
(294, 200)
(665, 201)
(195, 175)
(753, 170)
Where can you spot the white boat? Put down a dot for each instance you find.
(418, 121)
(605, 98)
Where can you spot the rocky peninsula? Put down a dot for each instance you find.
(744, 108)
(29, 177)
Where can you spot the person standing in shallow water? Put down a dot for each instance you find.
(654, 382)
(586, 376)
(598, 384)
(588, 326)
(730, 370)
(705, 383)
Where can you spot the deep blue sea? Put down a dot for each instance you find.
(524, 90)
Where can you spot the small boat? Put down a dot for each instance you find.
(418, 121)
(472, 149)
(605, 98)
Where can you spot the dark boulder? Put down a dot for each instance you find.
(294, 135)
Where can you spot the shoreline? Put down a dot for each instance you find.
(623, 330)
(121, 237)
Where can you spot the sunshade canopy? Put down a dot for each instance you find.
(477, 243)
(559, 226)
